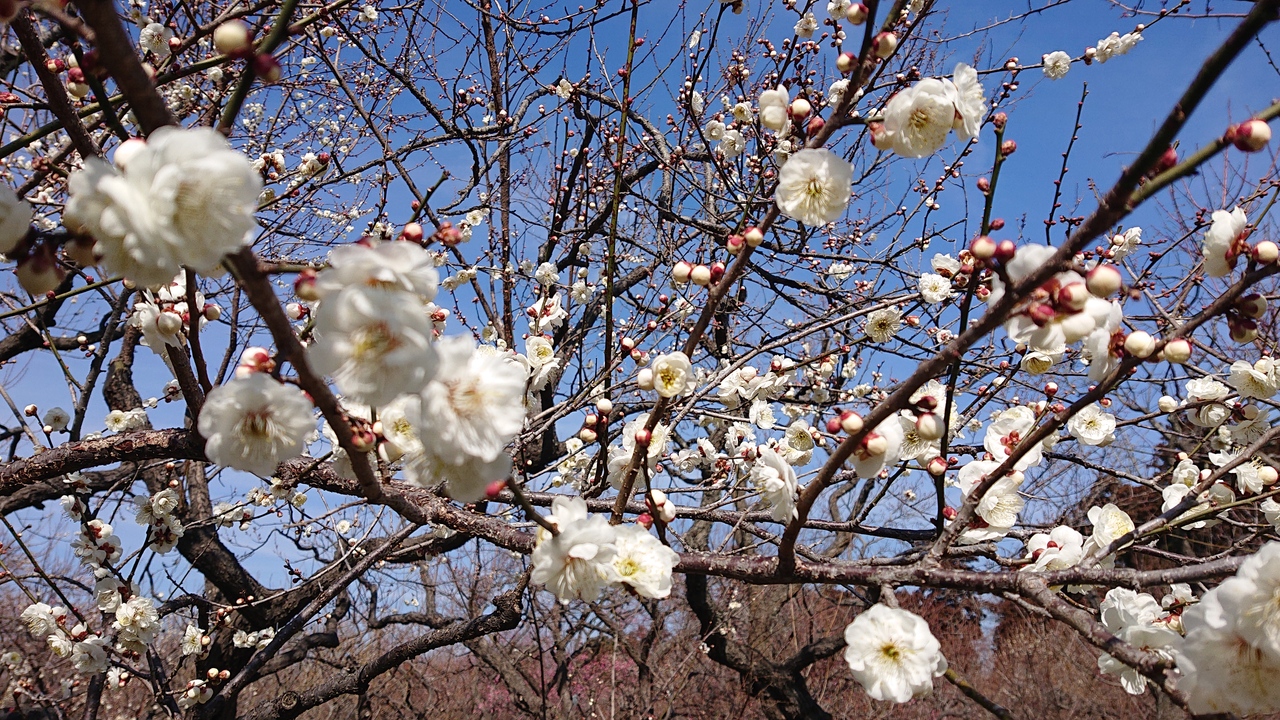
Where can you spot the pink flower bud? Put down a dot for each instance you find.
(305, 285)
(875, 444)
(1005, 250)
(816, 123)
(850, 422)
(997, 224)
(1104, 280)
(717, 271)
(412, 232)
(1008, 147)
(295, 311)
(984, 185)
(846, 62)
(211, 312)
(734, 244)
(494, 489)
(1000, 120)
(927, 403)
(627, 344)
(643, 437)
(754, 236)
(937, 467)
(1041, 314)
(266, 67)
(1167, 160)
(645, 520)
(856, 14)
(800, 108)
(1051, 388)
(949, 513)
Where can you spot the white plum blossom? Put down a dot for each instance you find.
(547, 312)
(883, 324)
(867, 462)
(643, 562)
(813, 187)
(971, 104)
(1093, 426)
(797, 444)
(154, 38)
(578, 561)
(1059, 549)
(1006, 431)
(773, 108)
(1223, 241)
(776, 481)
(15, 219)
(1231, 656)
(1110, 523)
(469, 414)
(254, 423)
(1056, 64)
(1125, 243)
(806, 25)
(892, 654)
(918, 119)
(1116, 44)
(934, 288)
(732, 144)
(1059, 326)
(402, 266)
(184, 197)
(999, 507)
(1206, 392)
(673, 375)
(1259, 380)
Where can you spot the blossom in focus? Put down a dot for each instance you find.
(1224, 241)
(1056, 64)
(643, 562)
(813, 187)
(776, 481)
(892, 654)
(578, 561)
(254, 423)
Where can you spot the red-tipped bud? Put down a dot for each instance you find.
(587, 435)
(997, 224)
(1005, 250)
(701, 275)
(412, 232)
(937, 467)
(929, 427)
(643, 437)
(984, 185)
(833, 425)
(983, 247)
(800, 109)
(1252, 305)
(1265, 252)
(1008, 147)
(645, 520)
(949, 513)
(999, 120)
(1250, 135)
(494, 489)
(1073, 297)
(816, 123)
(266, 66)
(717, 271)
(850, 422)
(1051, 388)
(734, 244)
(857, 13)
(875, 444)
(884, 44)
(927, 403)
(305, 285)
(1243, 330)
(1041, 314)
(1104, 280)
(1167, 160)
(754, 236)
(846, 62)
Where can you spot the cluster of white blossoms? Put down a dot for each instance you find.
(180, 198)
(892, 654)
(157, 514)
(86, 650)
(1231, 657)
(164, 316)
(916, 121)
(1065, 309)
(587, 554)
(1114, 45)
(1136, 618)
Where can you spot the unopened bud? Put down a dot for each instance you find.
(937, 467)
(412, 232)
(643, 437)
(717, 271)
(1266, 252)
(1073, 297)
(856, 14)
(850, 422)
(929, 427)
(1177, 351)
(1103, 281)
(1252, 305)
(1140, 344)
(701, 275)
(884, 44)
(800, 108)
(604, 406)
(681, 272)
(1250, 135)
(1268, 475)
(754, 236)
(233, 38)
(734, 244)
(983, 247)
(1008, 147)
(587, 435)
(1167, 404)
(1051, 388)
(494, 489)
(305, 285)
(266, 67)
(1243, 330)
(644, 379)
(31, 411)
(846, 62)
